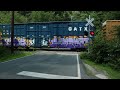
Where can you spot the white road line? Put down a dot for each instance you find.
(66, 54)
(43, 75)
(78, 66)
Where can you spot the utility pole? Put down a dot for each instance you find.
(12, 32)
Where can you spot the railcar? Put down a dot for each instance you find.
(58, 34)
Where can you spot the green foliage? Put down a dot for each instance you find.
(114, 51)
(5, 54)
(24, 13)
(113, 15)
(98, 50)
(5, 17)
(4, 51)
(106, 52)
(42, 16)
(110, 72)
(84, 55)
(19, 18)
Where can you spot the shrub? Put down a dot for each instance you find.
(114, 55)
(106, 52)
(115, 63)
(3, 51)
(98, 50)
(84, 55)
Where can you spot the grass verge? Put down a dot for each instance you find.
(6, 55)
(112, 74)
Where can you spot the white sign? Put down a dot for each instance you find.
(89, 21)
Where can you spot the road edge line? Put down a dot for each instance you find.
(78, 66)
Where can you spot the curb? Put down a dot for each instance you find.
(96, 73)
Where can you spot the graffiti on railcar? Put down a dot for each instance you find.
(69, 42)
(18, 42)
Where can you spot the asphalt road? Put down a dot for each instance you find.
(45, 65)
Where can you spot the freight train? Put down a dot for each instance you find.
(59, 34)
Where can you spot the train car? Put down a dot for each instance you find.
(68, 35)
(109, 30)
(59, 34)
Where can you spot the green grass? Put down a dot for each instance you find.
(6, 55)
(112, 74)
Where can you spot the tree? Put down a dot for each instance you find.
(24, 13)
(20, 18)
(41, 16)
(5, 17)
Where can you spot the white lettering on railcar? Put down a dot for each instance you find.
(75, 28)
(31, 27)
(85, 29)
(44, 26)
(80, 28)
(70, 28)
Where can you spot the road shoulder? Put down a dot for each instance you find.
(97, 73)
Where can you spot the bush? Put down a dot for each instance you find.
(4, 51)
(105, 52)
(115, 63)
(99, 49)
(114, 55)
(84, 55)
